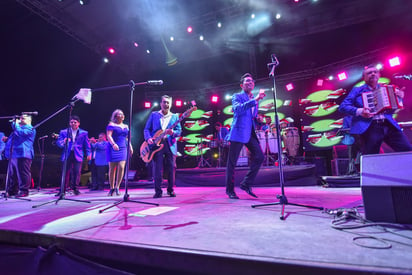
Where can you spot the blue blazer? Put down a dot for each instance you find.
(354, 101)
(22, 139)
(81, 145)
(153, 125)
(243, 117)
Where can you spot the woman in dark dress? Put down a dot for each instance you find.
(117, 133)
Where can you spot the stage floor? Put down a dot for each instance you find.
(203, 231)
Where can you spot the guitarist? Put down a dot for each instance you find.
(159, 122)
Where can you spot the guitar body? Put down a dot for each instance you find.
(147, 151)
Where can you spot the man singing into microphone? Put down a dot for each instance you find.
(372, 128)
(245, 109)
(19, 150)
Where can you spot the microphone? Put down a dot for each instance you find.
(405, 76)
(154, 82)
(30, 113)
(43, 137)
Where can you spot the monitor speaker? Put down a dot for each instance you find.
(386, 183)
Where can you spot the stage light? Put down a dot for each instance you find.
(172, 38)
(111, 50)
(105, 60)
(84, 2)
(319, 82)
(330, 77)
(189, 29)
(135, 44)
(394, 61)
(155, 104)
(215, 98)
(252, 16)
(289, 87)
(148, 51)
(178, 103)
(147, 104)
(219, 24)
(379, 66)
(278, 16)
(201, 38)
(228, 97)
(342, 76)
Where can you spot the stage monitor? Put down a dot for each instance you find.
(386, 182)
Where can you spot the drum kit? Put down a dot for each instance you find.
(206, 143)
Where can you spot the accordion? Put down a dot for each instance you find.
(382, 99)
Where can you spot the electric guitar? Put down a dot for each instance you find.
(147, 150)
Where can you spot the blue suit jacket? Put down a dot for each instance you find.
(354, 101)
(243, 118)
(22, 139)
(153, 125)
(80, 145)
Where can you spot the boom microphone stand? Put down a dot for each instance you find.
(282, 198)
(62, 192)
(131, 85)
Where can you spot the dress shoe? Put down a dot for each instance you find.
(172, 193)
(232, 195)
(116, 191)
(76, 192)
(110, 192)
(157, 195)
(22, 194)
(248, 190)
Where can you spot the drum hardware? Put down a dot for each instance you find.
(202, 161)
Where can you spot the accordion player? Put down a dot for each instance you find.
(382, 99)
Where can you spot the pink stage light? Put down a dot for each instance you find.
(289, 87)
(342, 76)
(179, 103)
(189, 29)
(394, 61)
(319, 82)
(147, 104)
(215, 98)
(111, 50)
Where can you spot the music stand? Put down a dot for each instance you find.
(282, 198)
(62, 193)
(131, 85)
(5, 194)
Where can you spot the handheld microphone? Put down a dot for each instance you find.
(405, 76)
(43, 137)
(154, 82)
(30, 113)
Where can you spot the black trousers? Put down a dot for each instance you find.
(19, 175)
(256, 160)
(169, 159)
(73, 172)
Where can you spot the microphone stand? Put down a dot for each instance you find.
(42, 157)
(131, 85)
(283, 201)
(6, 187)
(66, 156)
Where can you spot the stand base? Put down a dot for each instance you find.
(284, 201)
(126, 199)
(61, 197)
(5, 196)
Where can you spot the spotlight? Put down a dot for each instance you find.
(84, 2)
(111, 50)
(135, 44)
(201, 38)
(179, 103)
(289, 87)
(394, 61)
(172, 38)
(342, 76)
(105, 60)
(219, 24)
(278, 16)
(147, 104)
(215, 98)
(189, 29)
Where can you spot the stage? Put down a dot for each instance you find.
(200, 231)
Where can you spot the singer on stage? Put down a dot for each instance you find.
(245, 109)
(19, 150)
(163, 120)
(373, 129)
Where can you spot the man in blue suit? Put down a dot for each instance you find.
(77, 145)
(163, 120)
(19, 150)
(372, 128)
(245, 109)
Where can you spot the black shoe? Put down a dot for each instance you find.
(232, 195)
(22, 194)
(172, 194)
(110, 192)
(248, 190)
(76, 192)
(157, 195)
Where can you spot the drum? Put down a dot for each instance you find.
(291, 140)
(269, 140)
(214, 143)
